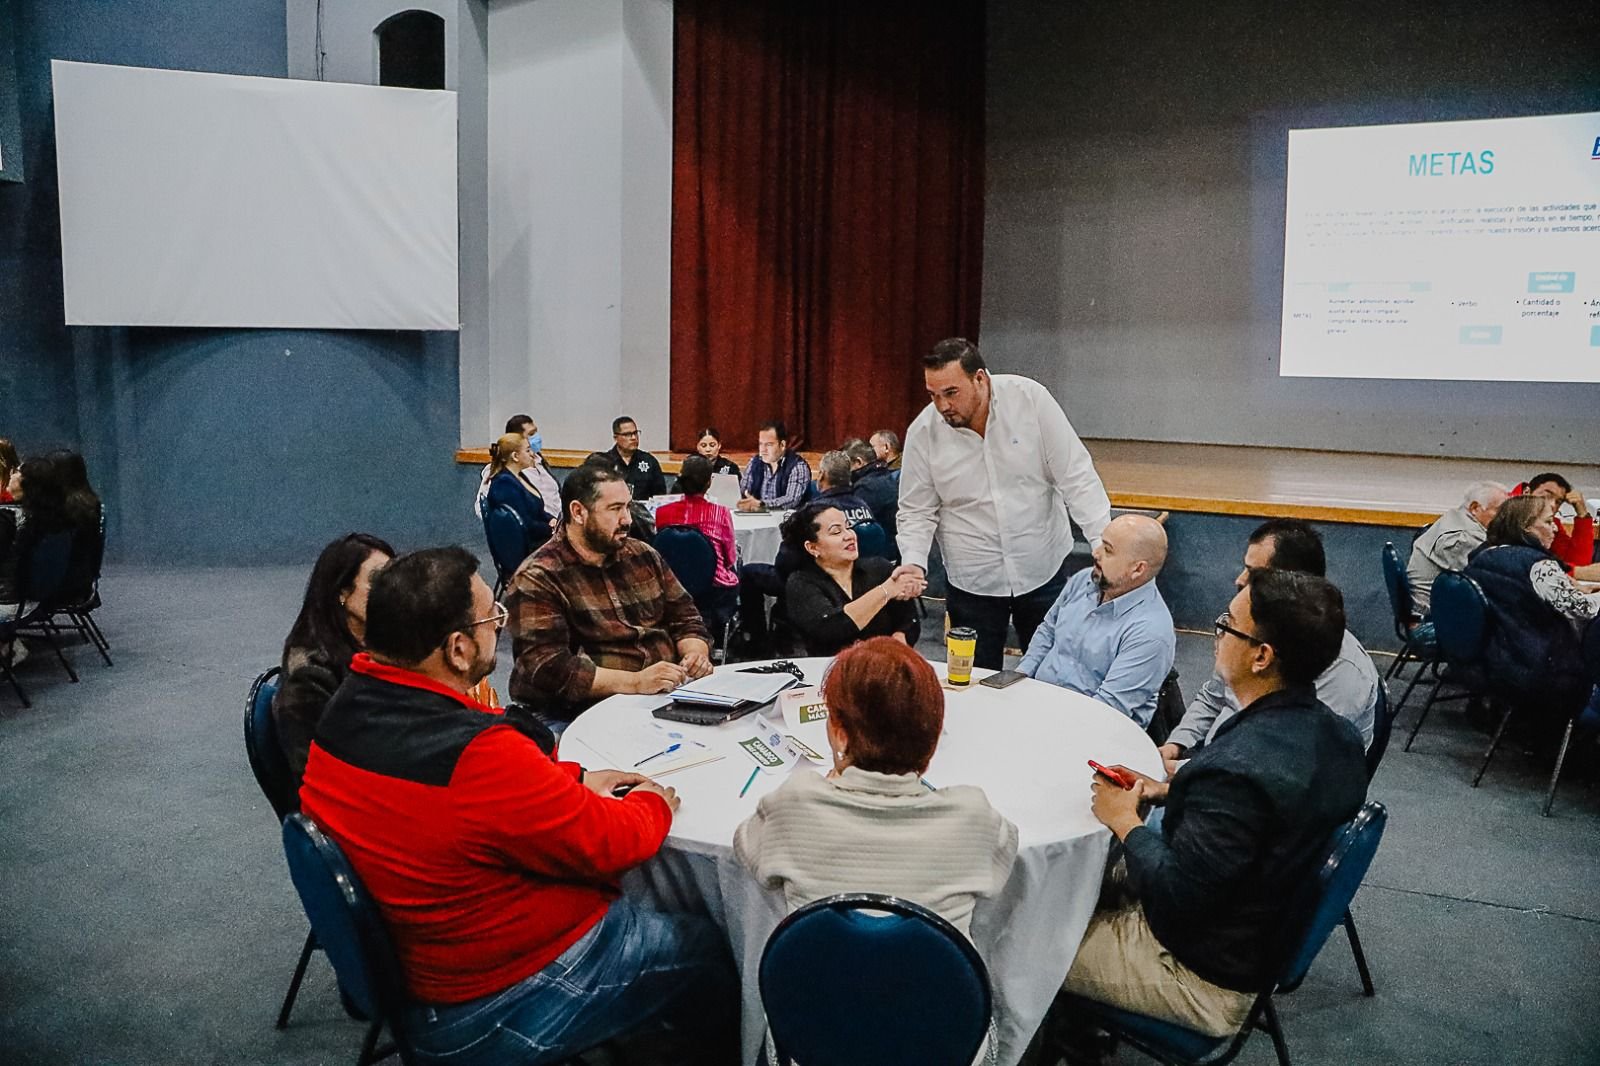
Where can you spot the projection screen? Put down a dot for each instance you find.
(192, 199)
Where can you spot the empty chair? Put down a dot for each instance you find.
(1461, 626)
(42, 564)
(690, 556)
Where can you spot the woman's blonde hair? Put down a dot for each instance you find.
(504, 449)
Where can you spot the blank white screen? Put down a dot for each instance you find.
(1465, 251)
(193, 199)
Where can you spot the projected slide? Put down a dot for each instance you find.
(1445, 250)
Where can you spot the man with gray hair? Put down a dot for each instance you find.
(833, 485)
(1446, 544)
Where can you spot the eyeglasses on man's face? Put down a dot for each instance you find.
(1221, 626)
(499, 618)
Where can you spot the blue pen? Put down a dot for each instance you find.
(664, 751)
(749, 781)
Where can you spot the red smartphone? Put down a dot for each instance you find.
(1115, 776)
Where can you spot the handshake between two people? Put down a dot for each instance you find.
(906, 582)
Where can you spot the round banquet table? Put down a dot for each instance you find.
(757, 535)
(1026, 746)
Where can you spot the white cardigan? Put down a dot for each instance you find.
(871, 832)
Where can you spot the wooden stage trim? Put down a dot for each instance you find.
(1351, 487)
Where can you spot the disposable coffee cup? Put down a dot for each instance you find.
(960, 645)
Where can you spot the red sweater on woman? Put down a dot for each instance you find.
(486, 858)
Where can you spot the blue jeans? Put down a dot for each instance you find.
(634, 970)
(989, 615)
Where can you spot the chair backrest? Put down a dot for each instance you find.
(1460, 614)
(1398, 584)
(267, 760)
(690, 556)
(347, 926)
(42, 567)
(1383, 716)
(1326, 900)
(502, 527)
(870, 979)
(1591, 650)
(872, 540)
(88, 553)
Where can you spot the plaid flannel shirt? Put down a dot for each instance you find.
(569, 617)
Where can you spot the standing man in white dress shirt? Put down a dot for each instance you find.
(993, 468)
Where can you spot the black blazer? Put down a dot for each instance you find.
(815, 603)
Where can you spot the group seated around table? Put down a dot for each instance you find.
(496, 868)
(711, 519)
(596, 611)
(1575, 546)
(1446, 543)
(776, 479)
(1347, 684)
(1109, 634)
(834, 597)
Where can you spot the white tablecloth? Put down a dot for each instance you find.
(1027, 746)
(757, 535)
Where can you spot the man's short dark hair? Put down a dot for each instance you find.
(1302, 616)
(583, 484)
(1295, 546)
(1548, 476)
(952, 349)
(776, 427)
(694, 477)
(518, 424)
(417, 601)
(620, 421)
(857, 448)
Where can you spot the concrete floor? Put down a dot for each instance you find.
(147, 916)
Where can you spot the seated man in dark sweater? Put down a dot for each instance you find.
(494, 867)
(1247, 819)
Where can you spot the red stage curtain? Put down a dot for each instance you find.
(827, 210)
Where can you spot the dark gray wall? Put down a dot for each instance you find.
(212, 445)
(1134, 222)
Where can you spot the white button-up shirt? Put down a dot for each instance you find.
(999, 503)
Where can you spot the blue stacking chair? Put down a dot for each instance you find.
(692, 558)
(1322, 904)
(42, 566)
(902, 986)
(271, 768)
(508, 541)
(1461, 625)
(1420, 649)
(872, 540)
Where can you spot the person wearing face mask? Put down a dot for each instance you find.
(1109, 635)
(330, 629)
(596, 612)
(496, 868)
(537, 475)
(513, 457)
(835, 597)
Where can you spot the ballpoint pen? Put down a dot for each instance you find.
(749, 781)
(664, 751)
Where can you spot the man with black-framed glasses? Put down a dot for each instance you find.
(495, 867)
(639, 468)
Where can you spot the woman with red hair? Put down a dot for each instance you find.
(873, 824)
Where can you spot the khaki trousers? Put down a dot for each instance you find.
(1121, 963)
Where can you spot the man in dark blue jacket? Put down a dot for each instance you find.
(1247, 820)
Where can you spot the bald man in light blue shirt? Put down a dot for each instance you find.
(1109, 634)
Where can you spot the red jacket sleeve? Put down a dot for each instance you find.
(519, 807)
(1575, 548)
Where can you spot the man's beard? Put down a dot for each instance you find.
(602, 544)
(483, 668)
(955, 420)
(1099, 578)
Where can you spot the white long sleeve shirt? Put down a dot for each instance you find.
(999, 502)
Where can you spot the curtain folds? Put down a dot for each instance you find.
(827, 210)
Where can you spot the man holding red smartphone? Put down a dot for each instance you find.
(1245, 822)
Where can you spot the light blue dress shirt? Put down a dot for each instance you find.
(1119, 652)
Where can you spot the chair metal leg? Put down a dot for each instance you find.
(55, 645)
(294, 982)
(1361, 957)
(90, 633)
(370, 1043)
(1561, 757)
(1275, 1031)
(1427, 706)
(15, 684)
(1422, 668)
(1495, 743)
(1400, 660)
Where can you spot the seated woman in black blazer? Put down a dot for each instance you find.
(509, 457)
(836, 598)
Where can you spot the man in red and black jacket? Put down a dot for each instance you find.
(495, 867)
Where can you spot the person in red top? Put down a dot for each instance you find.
(1575, 546)
(709, 517)
(496, 868)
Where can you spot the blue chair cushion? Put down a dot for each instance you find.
(1172, 1041)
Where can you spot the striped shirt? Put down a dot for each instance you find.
(569, 617)
(710, 518)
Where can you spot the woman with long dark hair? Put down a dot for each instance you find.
(836, 597)
(39, 511)
(329, 631)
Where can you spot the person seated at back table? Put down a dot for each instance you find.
(833, 486)
(877, 486)
(642, 470)
(40, 511)
(596, 612)
(1247, 821)
(886, 443)
(709, 444)
(873, 824)
(835, 597)
(711, 519)
(776, 478)
(1446, 544)
(511, 457)
(1109, 634)
(1575, 546)
(538, 475)
(1349, 685)
(330, 629)
(495, 868)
